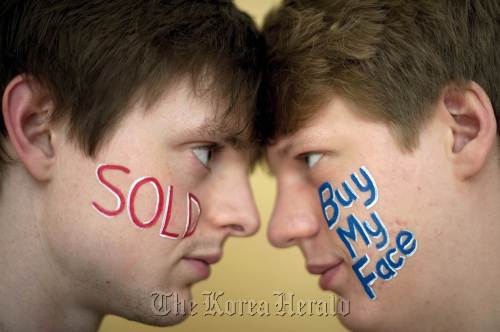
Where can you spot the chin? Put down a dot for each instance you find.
(167, 320)
(361, 322)
(364, 317)
(351, 323)
(162, 307)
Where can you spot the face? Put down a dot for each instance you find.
(372, 231)
(111, 222)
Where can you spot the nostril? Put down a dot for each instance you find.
(246, 228)
(237, 228)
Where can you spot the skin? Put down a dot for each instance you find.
(68, 265)
(446, 191)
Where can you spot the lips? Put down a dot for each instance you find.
(208, 259)
(327, 271)
(201, 264)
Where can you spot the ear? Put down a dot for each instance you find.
(472, 121)
(27, 108)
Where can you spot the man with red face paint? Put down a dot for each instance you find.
(126, 147)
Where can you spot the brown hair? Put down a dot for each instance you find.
(97, 57)
(393, 57)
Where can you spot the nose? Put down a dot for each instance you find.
(232, 206)
(294, 215)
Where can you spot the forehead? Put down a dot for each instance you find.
(184, 110)
(334, 118)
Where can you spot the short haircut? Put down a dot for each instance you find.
(97, 57)
(392, 57)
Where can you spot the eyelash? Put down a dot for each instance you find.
(212, 150)
(303, 158)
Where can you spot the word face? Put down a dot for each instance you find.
(370, 233)
(163, 208)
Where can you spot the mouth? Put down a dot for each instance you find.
(328, 273)
(201, 264)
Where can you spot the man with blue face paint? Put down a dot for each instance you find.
(380, 122)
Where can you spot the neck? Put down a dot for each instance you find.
(34, 294)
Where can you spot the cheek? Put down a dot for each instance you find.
(146, 202)
(83, 243)
(181, 214)
(418, 206)
(93, 248)
(378, 243)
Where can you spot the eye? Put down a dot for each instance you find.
(312, 158)
(204, 153)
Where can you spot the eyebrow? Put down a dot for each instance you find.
(299, 139)
(219, 131)
(284, 150)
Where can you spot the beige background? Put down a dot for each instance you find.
(251, 268)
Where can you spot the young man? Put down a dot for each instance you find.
(384, 143)
(126, 152)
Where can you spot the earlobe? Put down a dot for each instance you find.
(474, 128)
(26, 109)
